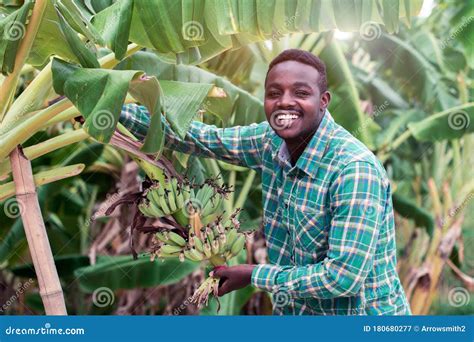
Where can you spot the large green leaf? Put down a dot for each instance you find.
(86, 58)
(49, 39)
(199, 30)
(347, 111)
(413, 74)
(12, 29)
(243, 107)
(196, 30)
(449, 124)
(122, 272)
(100, 93)
(10, 242)
(409, 209)
(182, 101)
(397, 122)
(65, 265)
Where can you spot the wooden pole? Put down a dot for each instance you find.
(38, 243)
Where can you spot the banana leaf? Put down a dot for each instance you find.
(100, 93)
(409, 209)
(122, 272)
(347, 111)
(449, 124)
(12, 30)
(239, 105)
(199, 30)
(404, 61)
(65, 264)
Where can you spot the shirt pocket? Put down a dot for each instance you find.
(311, 234)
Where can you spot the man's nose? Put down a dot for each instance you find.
(286, 101)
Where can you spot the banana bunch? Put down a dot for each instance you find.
(217, 242)
(163, 200)
(207, 200)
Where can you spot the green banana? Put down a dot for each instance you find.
(156, 210)
(222, 243)
(186, 191)
(170, 249)
(178, 191)
(215, 230)
(167, 255)
(215, 247)
(178, 239)
(162, 200)
(170, 196)
(231, 237)
(145, 209)
(162, 236)
(198, 244)
(238, 245)
(203, 197)
(207, 250)
(193, 254)
(210, 234)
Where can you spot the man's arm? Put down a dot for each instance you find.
(241, 145)
(357, 198)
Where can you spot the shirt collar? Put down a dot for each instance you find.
(309, 160)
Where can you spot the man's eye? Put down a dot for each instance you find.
(273, 94)
(302, 93)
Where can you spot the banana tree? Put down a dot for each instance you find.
(77, 82)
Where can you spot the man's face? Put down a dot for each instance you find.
(293, 101)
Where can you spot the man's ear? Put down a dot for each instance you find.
(325, 99)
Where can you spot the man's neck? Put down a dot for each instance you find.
(296, 147)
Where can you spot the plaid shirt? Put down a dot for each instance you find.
(328, 220)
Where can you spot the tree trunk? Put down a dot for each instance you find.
(38, 243)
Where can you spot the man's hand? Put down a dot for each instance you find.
(233, 277)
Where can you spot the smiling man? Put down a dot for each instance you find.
(327, 210)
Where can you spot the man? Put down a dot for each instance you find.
(328, 216)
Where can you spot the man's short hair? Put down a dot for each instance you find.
(304, 57)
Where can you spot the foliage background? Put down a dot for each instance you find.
(381, 84)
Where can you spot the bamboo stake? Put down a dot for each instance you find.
(35, 231)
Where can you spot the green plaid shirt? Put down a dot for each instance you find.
(328, 221)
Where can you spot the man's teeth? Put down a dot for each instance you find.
(287, 116)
